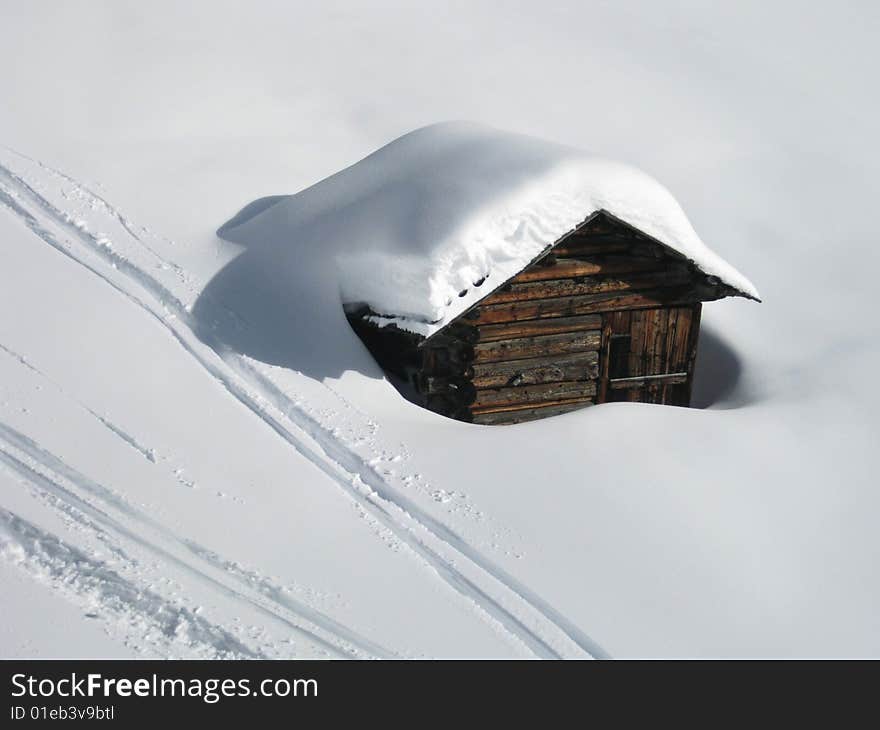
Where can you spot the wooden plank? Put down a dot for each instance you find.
(481, 410)
(577, 246)
(516, 292)
(640, 381)
(569, 268)
(681, 336)
(605, 357)
(671, 327)
(620, 322)
(615, 323)
(529, 414)
(586, 304)
(582, 366)
(650, 337)
(523, 347)
(658, 364)
(692, 353)
(533, 328)
(581, 389)
(457, 388)
(588, 246)
(637, 344)
(601, 223)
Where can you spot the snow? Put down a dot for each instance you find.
(430, 224)
(199, 458)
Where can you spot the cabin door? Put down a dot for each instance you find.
(647, 355)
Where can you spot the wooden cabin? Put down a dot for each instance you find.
(606, 313)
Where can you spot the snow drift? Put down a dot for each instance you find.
(431, 223)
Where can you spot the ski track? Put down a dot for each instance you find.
(522, 613)
(70, 571)
(50, 480)
(116, 430)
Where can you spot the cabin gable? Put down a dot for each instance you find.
(605, 314)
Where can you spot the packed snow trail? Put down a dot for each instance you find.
(70, 570)
(336, 638)
(502, 599)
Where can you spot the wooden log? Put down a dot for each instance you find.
(461, 389)
(462, 331)
(518, 292)
(588, 246)
(481, 410)
(578, 246)
(528, 414)
(454, 359)
(447, 406)
(534, 328)
(586, 304)
(568, 268)
(524, 347)
(535, 394)
(581, 366)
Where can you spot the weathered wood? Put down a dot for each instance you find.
(578, 246)
(637, 343)
(481, 410)
(586, 304)
(693, 341)
(546, 345)
(461, 331)
(528, 414)
(451, 360)
(657, 367)
(620, 322)
(604, 359)
(585, 246)
(582, 366)
(572, 267)
(549, 289)
(658, 346)
(535, 394)
(394, 349)
(671, 327)
(459, 388)
(602, 222)
(448, 406)
(678, 351)
(533, 328)
(640, 381)
(448, 370)
(532, 347)
(444, 340)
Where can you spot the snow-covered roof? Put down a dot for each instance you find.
(428, 225)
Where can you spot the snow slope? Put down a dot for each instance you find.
(199, 458)
(428, 225)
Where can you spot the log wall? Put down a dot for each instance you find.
(606, 314)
